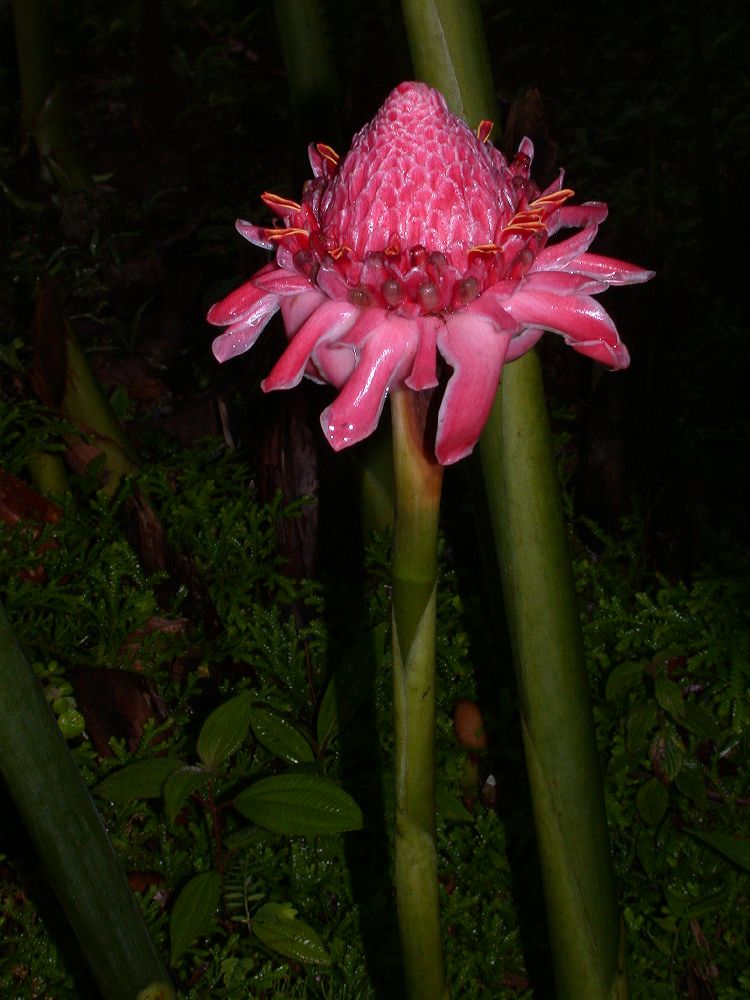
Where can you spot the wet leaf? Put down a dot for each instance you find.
(624, 676)
(224, 730)
(180, 785)
(279, 928)
(299, 804)
(142, 780)
(652, 801)
(280, 737)
(734, 848)
(194, 912)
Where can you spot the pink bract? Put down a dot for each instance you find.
(422, 241)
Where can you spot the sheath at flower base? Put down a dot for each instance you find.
(422, 241)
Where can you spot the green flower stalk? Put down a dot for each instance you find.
(69, 836)
(421, 245)
(418, 480)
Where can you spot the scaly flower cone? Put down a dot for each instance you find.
(419, 251)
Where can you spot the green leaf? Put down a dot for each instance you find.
(669, 696)
(449, 806)
(734, 848)
(280, 737)
(299, 804)
(142, 780)
(652, 801)
(279, 928)
(348, 688)
(624, 676)
(640, 721)
(691, 782)
(181, 784)
(194, 912)
(697, 720)
(224, 730)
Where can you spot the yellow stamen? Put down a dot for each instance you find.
(486, 248)
(554, 197)
(276, 201)
(338, 252)
(327, 153)
(280, 234)
(483, 130)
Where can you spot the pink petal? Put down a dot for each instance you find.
(475, 348)
(282, 282)
(297, 309)
(255, 234)
(563, 283)
(386, 354)
(423, 374)
(581, 320)
(523, 343)
(336, 360)
(591, 213)
(555, 256)
(330, 320)
(608, 269)
(241, 302)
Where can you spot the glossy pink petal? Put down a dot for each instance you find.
(475, 347)
(355, 412)
(330, 320)
(609, 270)
(582, 321)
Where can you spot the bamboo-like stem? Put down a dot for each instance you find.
(449, 51)
(69, 836)
(41, 97)
(418, 481)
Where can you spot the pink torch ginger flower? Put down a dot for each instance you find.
(422, 241)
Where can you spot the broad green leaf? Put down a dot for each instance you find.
(691, 782)
(179, 785)
(348, 688)
(280, 737)
(299, 804)
(142, 780)
(697, 720)
(224, 730)
(279, 928)
(646, 851)
(669, 696)
(194, 912)
(624, 676)
(641, 720)
(736, 849)
(652, 801)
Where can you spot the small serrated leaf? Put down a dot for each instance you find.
(278, 927)
(142, 780)
(652, 801)
(669, 696)
(179, 785)
(299, 804)
(280, 737)
(194, 912)
(624, 676)
(734, 848)
(640, 721)
(224, 730)
(697, 720)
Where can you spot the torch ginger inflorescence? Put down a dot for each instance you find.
(422, 241)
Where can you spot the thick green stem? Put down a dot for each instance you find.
(68, 834)
(418, 481)
(561, 754)
(449, 51)
(41, 96)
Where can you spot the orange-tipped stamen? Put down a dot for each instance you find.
(554, 197)
(485, 248)
(328, 153)
(338, 252)
(282, 204)
(484, 128)
(280, 234)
